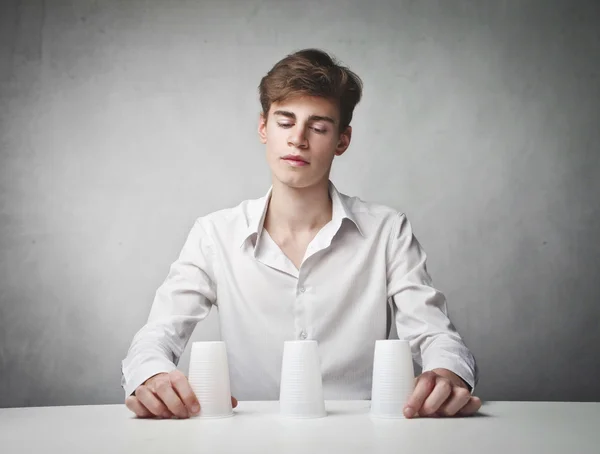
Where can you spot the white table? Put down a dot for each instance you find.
(501, 427)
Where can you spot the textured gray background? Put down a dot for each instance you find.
(122, 121)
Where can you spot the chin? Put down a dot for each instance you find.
(297, 177)
(296, 181)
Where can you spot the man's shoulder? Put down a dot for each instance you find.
(233, 215)
(370, 211)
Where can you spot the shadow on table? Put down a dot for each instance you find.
(476, 415)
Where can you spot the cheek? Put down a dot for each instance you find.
(325, 148)
(271, 152)
(275, 136)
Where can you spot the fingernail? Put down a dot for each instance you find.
(409, 412)
(195, 408)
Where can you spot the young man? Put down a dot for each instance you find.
(303, 262)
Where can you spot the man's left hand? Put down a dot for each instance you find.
(440, 392)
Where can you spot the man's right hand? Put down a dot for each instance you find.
(165, 395)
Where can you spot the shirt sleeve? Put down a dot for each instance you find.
(421, 312)
(185, 298)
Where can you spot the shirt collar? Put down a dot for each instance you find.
(258, 210)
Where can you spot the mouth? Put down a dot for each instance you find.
(295, 160)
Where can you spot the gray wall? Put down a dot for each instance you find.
(122, 121)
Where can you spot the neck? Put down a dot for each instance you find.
(293, 210)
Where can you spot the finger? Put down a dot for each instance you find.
(439, 395)
(166, 393)
(149, 400)
(424, 386)
(459, 397)
(471, 408)
(182, 387)
(234, 402)
(136, 406)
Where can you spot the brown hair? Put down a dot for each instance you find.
(312, 72)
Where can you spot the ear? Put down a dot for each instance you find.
(262, 128)
(344, 141)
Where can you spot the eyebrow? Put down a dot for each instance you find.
(292, 115)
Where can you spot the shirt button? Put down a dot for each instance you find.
(303, 335)
(302, 289)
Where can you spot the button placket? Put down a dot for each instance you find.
(301, 294)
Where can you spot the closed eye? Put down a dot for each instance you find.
(289, 125)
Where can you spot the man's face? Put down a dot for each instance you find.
(302, 138)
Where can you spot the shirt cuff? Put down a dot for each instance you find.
(453, 366)
(143, 373)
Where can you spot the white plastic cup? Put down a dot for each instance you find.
(301, 392)
(393, 378)
(209, 379)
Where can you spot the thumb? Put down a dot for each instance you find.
(234, 402)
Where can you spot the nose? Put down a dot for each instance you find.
(297, 138)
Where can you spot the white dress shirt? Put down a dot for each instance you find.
(365, 258)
